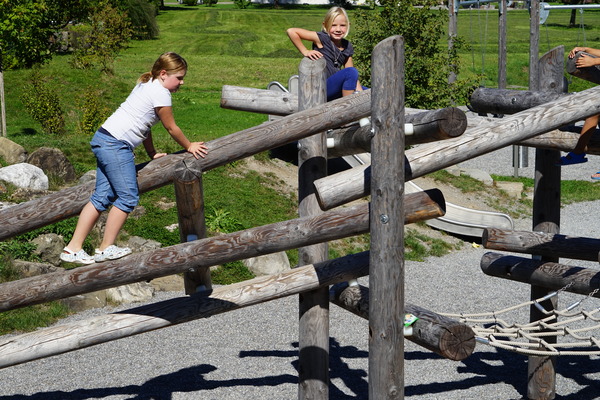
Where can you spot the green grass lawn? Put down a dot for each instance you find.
(228, 46)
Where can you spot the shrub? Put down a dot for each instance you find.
(243, 4)
(427, 61)
(190, 2)
(43, 104)
(93, 113)
(210, 3)
(142, 15)
(107, 32)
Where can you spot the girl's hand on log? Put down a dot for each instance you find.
(158, 155)
(198, 149)
(313, 54)
(585, 61)
(576, 50)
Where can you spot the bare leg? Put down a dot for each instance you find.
(347, 92)
(589, 126)
(87, 219)
(114, 223)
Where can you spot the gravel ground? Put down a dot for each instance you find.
(252, 353)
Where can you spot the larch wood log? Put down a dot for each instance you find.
(355, 183)
(217, 250)
(447, 337)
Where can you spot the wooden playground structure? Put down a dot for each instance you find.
(445, 138)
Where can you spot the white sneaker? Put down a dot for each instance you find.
(112, 252)
(81, 257)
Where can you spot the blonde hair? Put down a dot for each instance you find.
(170, 62)
(331, 15)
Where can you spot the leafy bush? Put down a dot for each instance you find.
(142, 15)
(107, 32)
(210, 3)
(93, 113)
(427, 62)
(190, 2)
(243, 4)
(43, 104)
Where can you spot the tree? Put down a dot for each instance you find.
(428, 63)
(24, 39)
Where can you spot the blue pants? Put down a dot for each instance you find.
(116, 180)
(344, 79)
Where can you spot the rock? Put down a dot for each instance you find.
(268, 264)
(27, 269)
(86, 301)
(12, 152)
(135, 292)
(53, 162)
(49, 247)
(479, 175)
(87, 177)
(513, 189)
(139, 244)
(171, 283)
(25, 176)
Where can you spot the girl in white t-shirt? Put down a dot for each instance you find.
(113, 144)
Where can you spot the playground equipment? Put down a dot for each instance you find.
(384, 218)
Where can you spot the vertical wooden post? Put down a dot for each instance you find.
(314, 305)
(452, 30)
(190, 211)
(502, 10)
(541, 374)
(386, 272)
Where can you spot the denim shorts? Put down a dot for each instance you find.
(116, 179)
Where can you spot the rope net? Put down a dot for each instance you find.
(540, 338)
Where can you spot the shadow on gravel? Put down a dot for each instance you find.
(488, 368)
(493, 367)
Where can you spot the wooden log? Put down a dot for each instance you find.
(386, 278)
(77, 335)
(190, 215)
(564, 139)
(69, 202)
(353, 184)
(447, 337)
(541, 243)
(508, 101)
(428, 126)
(546, 218)
(541, 273)
(258, 100)
(313, 324)
(207, 252)
(591, 74)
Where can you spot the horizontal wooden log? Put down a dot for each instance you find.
(428, 126)
(207, 252)
(69, 202)
(77, 335)
(543, 274)
(354, 183)
(564, 139)
(507, 101)
(591, 74)
(542, 244)
(258, 100)
(442, 335)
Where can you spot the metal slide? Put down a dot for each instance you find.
(458, 220)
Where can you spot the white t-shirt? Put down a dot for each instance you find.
(133, 119)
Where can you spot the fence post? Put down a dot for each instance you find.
(190, 212)
(314, 305)
(386, 274)
(545, 75)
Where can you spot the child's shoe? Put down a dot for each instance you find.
(112, 252)
(572, 158)
(80, 257)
